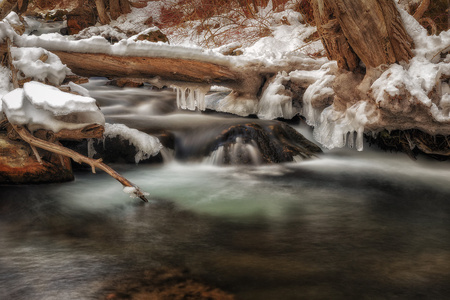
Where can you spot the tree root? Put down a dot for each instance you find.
(58, 149)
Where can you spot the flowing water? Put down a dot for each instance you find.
(347, 225)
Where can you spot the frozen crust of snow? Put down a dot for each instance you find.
(59, 103)
(39, 106)
(145, 144)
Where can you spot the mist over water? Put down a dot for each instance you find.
(347, 225)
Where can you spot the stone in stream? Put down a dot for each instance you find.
(227, 142)
(257, 142)
(18, 164)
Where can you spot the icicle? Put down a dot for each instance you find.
(90, 148)
(192, 96)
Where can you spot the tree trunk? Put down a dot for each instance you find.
(104, 19)
(6, 6)
(125, 6)
(333, 39)
(114, 9)
(370, 31)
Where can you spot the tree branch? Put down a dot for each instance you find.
(30, 139)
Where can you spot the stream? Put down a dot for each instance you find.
(345, 225)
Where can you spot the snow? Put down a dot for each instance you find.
(13, 19)
(270, 42)
(134, 192)
(145, 144)
(59, 103)
(40, 106)
(420, 77)
(39, 64)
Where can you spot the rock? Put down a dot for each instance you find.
(153, 35)
(257, 142)
(413, 142)
(18, 165)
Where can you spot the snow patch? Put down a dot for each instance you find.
(133, 191)
(40, 106)
(39, 64)
(145, 144)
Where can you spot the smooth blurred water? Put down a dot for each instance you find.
(348, 225)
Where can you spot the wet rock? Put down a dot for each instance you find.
(256, 142)
(413, 142)
(116, 150)
(18, 165)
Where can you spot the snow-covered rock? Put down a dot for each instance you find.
(40, 106)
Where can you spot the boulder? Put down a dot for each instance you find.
(18, 165)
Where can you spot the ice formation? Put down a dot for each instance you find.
(335, 129)
(191, 96)
(241, 105)
(41, 106)
(275, 101)
(400, 89)
(145, 144)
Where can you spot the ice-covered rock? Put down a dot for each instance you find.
(145, 144)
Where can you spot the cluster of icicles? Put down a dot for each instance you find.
(191, 97)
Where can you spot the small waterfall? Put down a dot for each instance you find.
(236, 153)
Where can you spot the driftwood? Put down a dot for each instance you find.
(55, 148)
(372, 29)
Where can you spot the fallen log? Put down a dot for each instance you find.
(174, 69)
